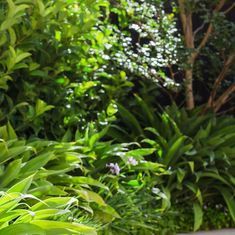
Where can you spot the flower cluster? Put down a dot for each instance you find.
(132, 161)
(114, 168)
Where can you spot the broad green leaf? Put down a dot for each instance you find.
(161, 139)
(109, 210)
(4, 133)
(112, 108)
(14, 152)
(9, 201)
(20, 7)
(21, 56)
(150, 166)
(4, 150)
(12, 36)
(22, 229)
(57, 227)
(8, 23)
(42, 107)
(130, 120)
(97, 136)
(41, 214)
(213, 175)
(87, 180)
(191, 165)
(229, 199)
(146, 110)
(180, 174)
(10, 173)
(140, 152)
(3, 38)
(196, 190)
(173, 149)
(166, 201)
(22, 186)
(11, 132)
(198, 216)
(12, 215)
(41, 7)
(91, 196)
(134, 183)
(6, 197)
(55, 202)
(82, 88)
(67, 136)
(37, 162)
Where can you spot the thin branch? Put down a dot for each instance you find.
(229, 9)
(220, 78)
(209, 29)
(226, 111)
(205, 38)
(199, 29)
(223, 98)
(172, 74)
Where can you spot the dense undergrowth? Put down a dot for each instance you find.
(122, 188)
(88, 145)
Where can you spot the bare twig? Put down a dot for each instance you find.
(220, 78)
(223, 98)
(229, 9)
(199, 29)
(209, 29)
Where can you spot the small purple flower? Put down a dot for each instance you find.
(132, 161)
(114, 168)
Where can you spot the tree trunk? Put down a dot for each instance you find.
(189, 43)
(187, 24)
(189, 89)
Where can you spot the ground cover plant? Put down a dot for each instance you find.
(197, 151)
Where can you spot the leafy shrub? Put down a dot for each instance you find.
(130, 178)
(80, 170)
(46, 170)
(23, 213)
(145, 37)
(41, 43)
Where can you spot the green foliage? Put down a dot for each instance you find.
(76, 173)
(41, 45)
(44, 171)
(67, 69)
(130, 188)
(146, 39)
(197, 151)
(24, 213)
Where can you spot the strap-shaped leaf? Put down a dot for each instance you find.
(198, 216)
(22, 186)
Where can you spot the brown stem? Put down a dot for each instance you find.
(209, 30)
(199, 29)
(220, 78)
(189, 89)
(223, 98)
(229, 9)
(187, 24)
(186, 20)
(172, 74)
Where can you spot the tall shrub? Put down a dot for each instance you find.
(41, 43)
